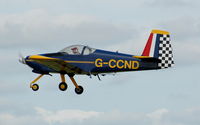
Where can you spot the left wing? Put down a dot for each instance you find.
(56, 64)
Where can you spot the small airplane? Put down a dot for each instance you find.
(84, 60)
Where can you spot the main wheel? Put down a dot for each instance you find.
(35, 87)
(79, 90)
(63, 86)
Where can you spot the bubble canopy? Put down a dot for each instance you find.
(77, 50)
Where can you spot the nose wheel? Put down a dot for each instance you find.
(35, 87)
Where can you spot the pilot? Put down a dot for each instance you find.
(75, 50)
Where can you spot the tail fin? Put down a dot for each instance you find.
(159, 46)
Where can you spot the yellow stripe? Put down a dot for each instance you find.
(79, 62)
(160, 32)
(141, 57)
(49, 58)
(40, 57)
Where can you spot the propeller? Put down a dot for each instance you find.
(22, 59)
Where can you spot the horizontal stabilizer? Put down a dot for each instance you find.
(148, 59)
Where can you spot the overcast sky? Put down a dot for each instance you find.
(162, 97)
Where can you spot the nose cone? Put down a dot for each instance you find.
(26, 58)
(30, 59)
(36, 62)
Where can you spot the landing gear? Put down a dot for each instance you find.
(79, 90)
(35, 87)
(63, 86)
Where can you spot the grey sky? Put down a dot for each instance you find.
(169, 97)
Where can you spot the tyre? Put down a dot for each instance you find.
(63, 86)
(35, 87)
(79, 90)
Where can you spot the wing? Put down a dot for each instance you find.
(58, 65)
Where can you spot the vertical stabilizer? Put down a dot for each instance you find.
(159, 46)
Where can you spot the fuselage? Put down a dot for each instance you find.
(99, 61)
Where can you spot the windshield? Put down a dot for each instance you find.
(77, 50)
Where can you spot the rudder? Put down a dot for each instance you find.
(159, 46)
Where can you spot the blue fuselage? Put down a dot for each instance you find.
(97, 62)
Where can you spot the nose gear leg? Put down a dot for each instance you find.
(34, 86)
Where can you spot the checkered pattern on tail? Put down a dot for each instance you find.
(165, 52)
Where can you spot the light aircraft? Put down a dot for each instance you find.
(84, 60)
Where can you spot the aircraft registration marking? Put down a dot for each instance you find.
(121, 64)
